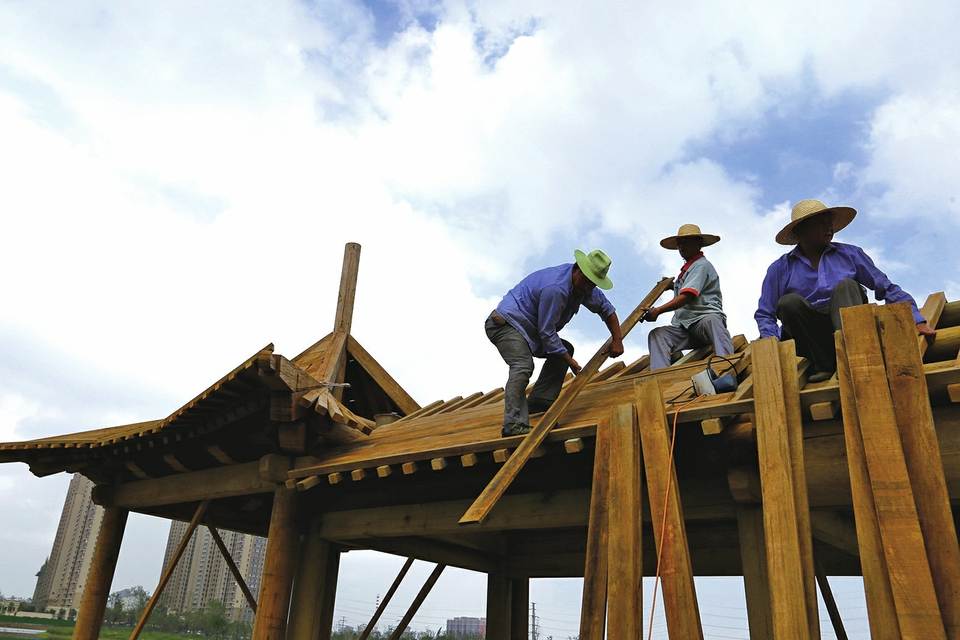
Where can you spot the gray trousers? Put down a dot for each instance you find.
(516, 353)
(710, 329)
(812, 327)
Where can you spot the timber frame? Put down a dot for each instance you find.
(782, 482)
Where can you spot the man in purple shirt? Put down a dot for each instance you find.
(526, 322)
(806, 287)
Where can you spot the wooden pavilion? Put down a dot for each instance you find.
(781, 482)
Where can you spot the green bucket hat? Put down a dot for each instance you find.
(595, 266)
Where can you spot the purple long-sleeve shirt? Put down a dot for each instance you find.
(544, 302)
(793, 273)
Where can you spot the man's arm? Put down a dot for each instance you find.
(868, 274)
(770, 293)
(685, 298)
(616, 345)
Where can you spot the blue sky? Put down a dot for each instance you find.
(164, 169)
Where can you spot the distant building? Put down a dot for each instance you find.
(202, 575)
(463, 626)
(62, 579)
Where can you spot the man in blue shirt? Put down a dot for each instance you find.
(526, 322)
(697, 305)
(806, 287)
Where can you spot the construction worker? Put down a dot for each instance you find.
(525, 325)
(806, 287)
(698, 317)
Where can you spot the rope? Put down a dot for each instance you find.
(663, 523)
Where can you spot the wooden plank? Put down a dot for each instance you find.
(756, 583)
(666, 512)
(931, 311)
(348, 288)
(488, 498)
(391, 387)
(307, 483)
(234, 570)
(789, 369)
(624, 575)
(902, 540)
(946, 346)
(386, 599)
(417, 601)
(781, 529)
(921, 451)
(594, 603)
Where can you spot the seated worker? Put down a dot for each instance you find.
(698, 317)
(526, 322)
(806, 287)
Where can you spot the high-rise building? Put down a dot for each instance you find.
(60, 585)
(202, 574)
(463, 625)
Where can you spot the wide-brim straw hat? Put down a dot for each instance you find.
(689, 231)
(595, 266)
(842, 216)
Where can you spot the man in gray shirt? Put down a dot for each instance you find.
(698, 318)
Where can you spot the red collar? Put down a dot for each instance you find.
(689, 262)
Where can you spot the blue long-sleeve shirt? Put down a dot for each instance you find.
(544, 302)
(793, 273)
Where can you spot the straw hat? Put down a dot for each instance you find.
(842, 216)
(689, 231)
(595, 266)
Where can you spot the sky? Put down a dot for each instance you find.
(178, 181)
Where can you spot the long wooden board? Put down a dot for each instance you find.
(508, 472)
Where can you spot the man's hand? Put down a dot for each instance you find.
(924, 330)
(616, 348)
(572, 364)
(650, 314)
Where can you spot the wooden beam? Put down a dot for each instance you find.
(97, 591)
(836, 530)
(386, 600)
(488, 498)
(781, 529)
(666, 514)
(756, 581)
(881, 608)
(197, 517)
(234, 570)
(391, 387)
(593, 608)
(415, 606)
(921, 451)
(348, 288)
(903, 545)
(279, 564)
(931, 311)
(262, 476)
(625, 574)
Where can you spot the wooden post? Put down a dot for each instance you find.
(519, 609)
(386, 599)
(624, 575)
(197, 517)
(415, 606)
(921, 450)
(481, 507)
(781, 529)
(666, 513)
(881, 609)
(97, 591)
(756, 583)
(499, 605)
(308, 585)
(328, 598)
(593, 609)
(348, 288)
(278, 568)
(903, 545)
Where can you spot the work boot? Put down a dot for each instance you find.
(515, 429)
(820, 376)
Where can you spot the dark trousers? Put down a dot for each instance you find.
(812, 328)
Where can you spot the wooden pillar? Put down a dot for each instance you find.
(94, 603)
(593, 609)
(624, 573)
(679, 593)
(348, 287)
(911, 580)
(278, 568)
(777, 419)
(499, 605)
(519, 609)
(308, 585)
(328, 597)
(756, 583)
